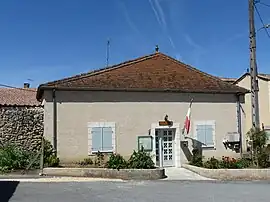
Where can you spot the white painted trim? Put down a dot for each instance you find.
(177, 138)
(206, 122)
(100, 124)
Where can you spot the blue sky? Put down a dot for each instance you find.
(52, 39)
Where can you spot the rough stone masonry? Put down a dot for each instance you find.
(22, 126)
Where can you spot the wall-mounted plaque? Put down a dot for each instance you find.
(165, 123)
(145, 142)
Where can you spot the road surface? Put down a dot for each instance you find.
(139, 191)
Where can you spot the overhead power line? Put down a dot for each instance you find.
(264, 4)
(263, 24)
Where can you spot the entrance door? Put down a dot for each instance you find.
(165, 147)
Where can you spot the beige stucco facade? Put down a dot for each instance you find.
(264, 102)
(135, 114)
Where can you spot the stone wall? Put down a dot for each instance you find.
(125, 174)
(231, 174)
(22, 126)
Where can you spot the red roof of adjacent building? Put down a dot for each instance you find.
(18, 97)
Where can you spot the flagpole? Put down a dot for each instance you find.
(188, 114)
(191, 101)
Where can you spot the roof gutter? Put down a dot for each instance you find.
(239, 123)
(42, 88)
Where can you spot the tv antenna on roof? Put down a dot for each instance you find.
(108, 53)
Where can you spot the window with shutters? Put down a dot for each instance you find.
(205, 133)
(101, 137)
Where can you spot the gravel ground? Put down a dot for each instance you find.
(139, 191)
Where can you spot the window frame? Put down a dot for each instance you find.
(100, 125)
(207, 122)
(145, 137)
(267, 130)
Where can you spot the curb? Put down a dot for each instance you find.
(231, 174)
(60, 179)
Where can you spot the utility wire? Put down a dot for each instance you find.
(264, 4)
(260, 17)
(26, 89)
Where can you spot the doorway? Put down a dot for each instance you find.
(164, 142)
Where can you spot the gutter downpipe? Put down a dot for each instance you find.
(54, 121)
(239, 124)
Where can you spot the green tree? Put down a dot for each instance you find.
(259, 138)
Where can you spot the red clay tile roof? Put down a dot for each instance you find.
(153, 72)
(18, 97)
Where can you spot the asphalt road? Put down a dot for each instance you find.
(139, 191)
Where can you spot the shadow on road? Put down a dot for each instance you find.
(7, 189)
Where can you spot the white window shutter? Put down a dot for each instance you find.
(101, 137)
(204, 132)
(107, 143)
(96, 139)
(196, 124)
(199, 133)
(213, 124)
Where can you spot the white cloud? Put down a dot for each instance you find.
(127, 17)
(161, 19)
(198, 50)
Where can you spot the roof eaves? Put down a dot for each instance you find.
(241, 78)
(233, 91)
(260, 76)
(264, 77)
(20, 105)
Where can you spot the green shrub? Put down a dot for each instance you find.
(14, 158)
(140, 160)
(86, 161)
(50, 158)
(260, 156)
(212, 163)
(52, 161)
(99, 160)
(243, 163)
(263, 159)
(116, 161)
(197, 159)
(227, 163)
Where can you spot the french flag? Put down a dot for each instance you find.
(187, 120)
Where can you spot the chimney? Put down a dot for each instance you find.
(157, 48)
(26, 85)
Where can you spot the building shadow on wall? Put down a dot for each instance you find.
(195, 145)
(7, 190)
